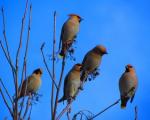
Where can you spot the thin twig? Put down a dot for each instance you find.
(25, 59)
(6, 103)
(17, 59)
(26, 84)
(5, 53)
(136, 113)
(8, 94)
(30, 112)
(7, 46)
(27, 107)
(64, 110)
(116, 102)
(68, 116)
(21, 32)
(22, 102)
(13, 69)
(10, 63)
(50, 74)
(53, 65)
(58, 90)
(81, 113)
(27, 44)
(5, 38)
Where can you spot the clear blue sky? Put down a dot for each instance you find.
(123, 26)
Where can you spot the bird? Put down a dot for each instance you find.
(68, 33)
(31, 84)
(72, 83)
(92, 61)
(128, 85)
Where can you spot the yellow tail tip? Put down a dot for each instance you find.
(60, 56)
(123, 107)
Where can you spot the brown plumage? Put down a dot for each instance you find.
(92, 60)
(127, 85)
(69, 32)
(31, 84)
(72, 83)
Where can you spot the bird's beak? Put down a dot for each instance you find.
(81, 19)
(106, 52)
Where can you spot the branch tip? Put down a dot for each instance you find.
(42, 46)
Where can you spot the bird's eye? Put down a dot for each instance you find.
(130, 66)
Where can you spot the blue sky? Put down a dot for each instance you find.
(121, 25)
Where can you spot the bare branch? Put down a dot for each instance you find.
(5, 39)
(27, 107)
(50, 74)
(105, 109)
(6, 103)
(117, 101)
(53, 65)
(17, 60)
(25, 59)
(59, 86)
(64, 110)
(5, 53)
(30, 112)
(26, 84)
(83, 114)
(8, 94)
(136, 113)
(68, 116)
(21, 32)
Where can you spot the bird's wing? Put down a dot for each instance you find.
(61, 36)
(85, 58)
(65, 84)
(30, 83)
(122, 84)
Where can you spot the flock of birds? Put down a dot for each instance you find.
(79, 73)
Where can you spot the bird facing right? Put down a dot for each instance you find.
(92, 60)
(72, 83)
(69, 33)
(31, 84)
(128, 85)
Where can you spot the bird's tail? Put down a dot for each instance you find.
(62, 54)
(124, 101)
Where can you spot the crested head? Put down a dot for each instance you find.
(77, 67)
(38, 71)
(75, 16)
(100, 49)
(129, 68)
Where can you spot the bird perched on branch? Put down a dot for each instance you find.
(127, 85)
(91, 61)
(31, 84)
(69, 33)
(71, 83)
